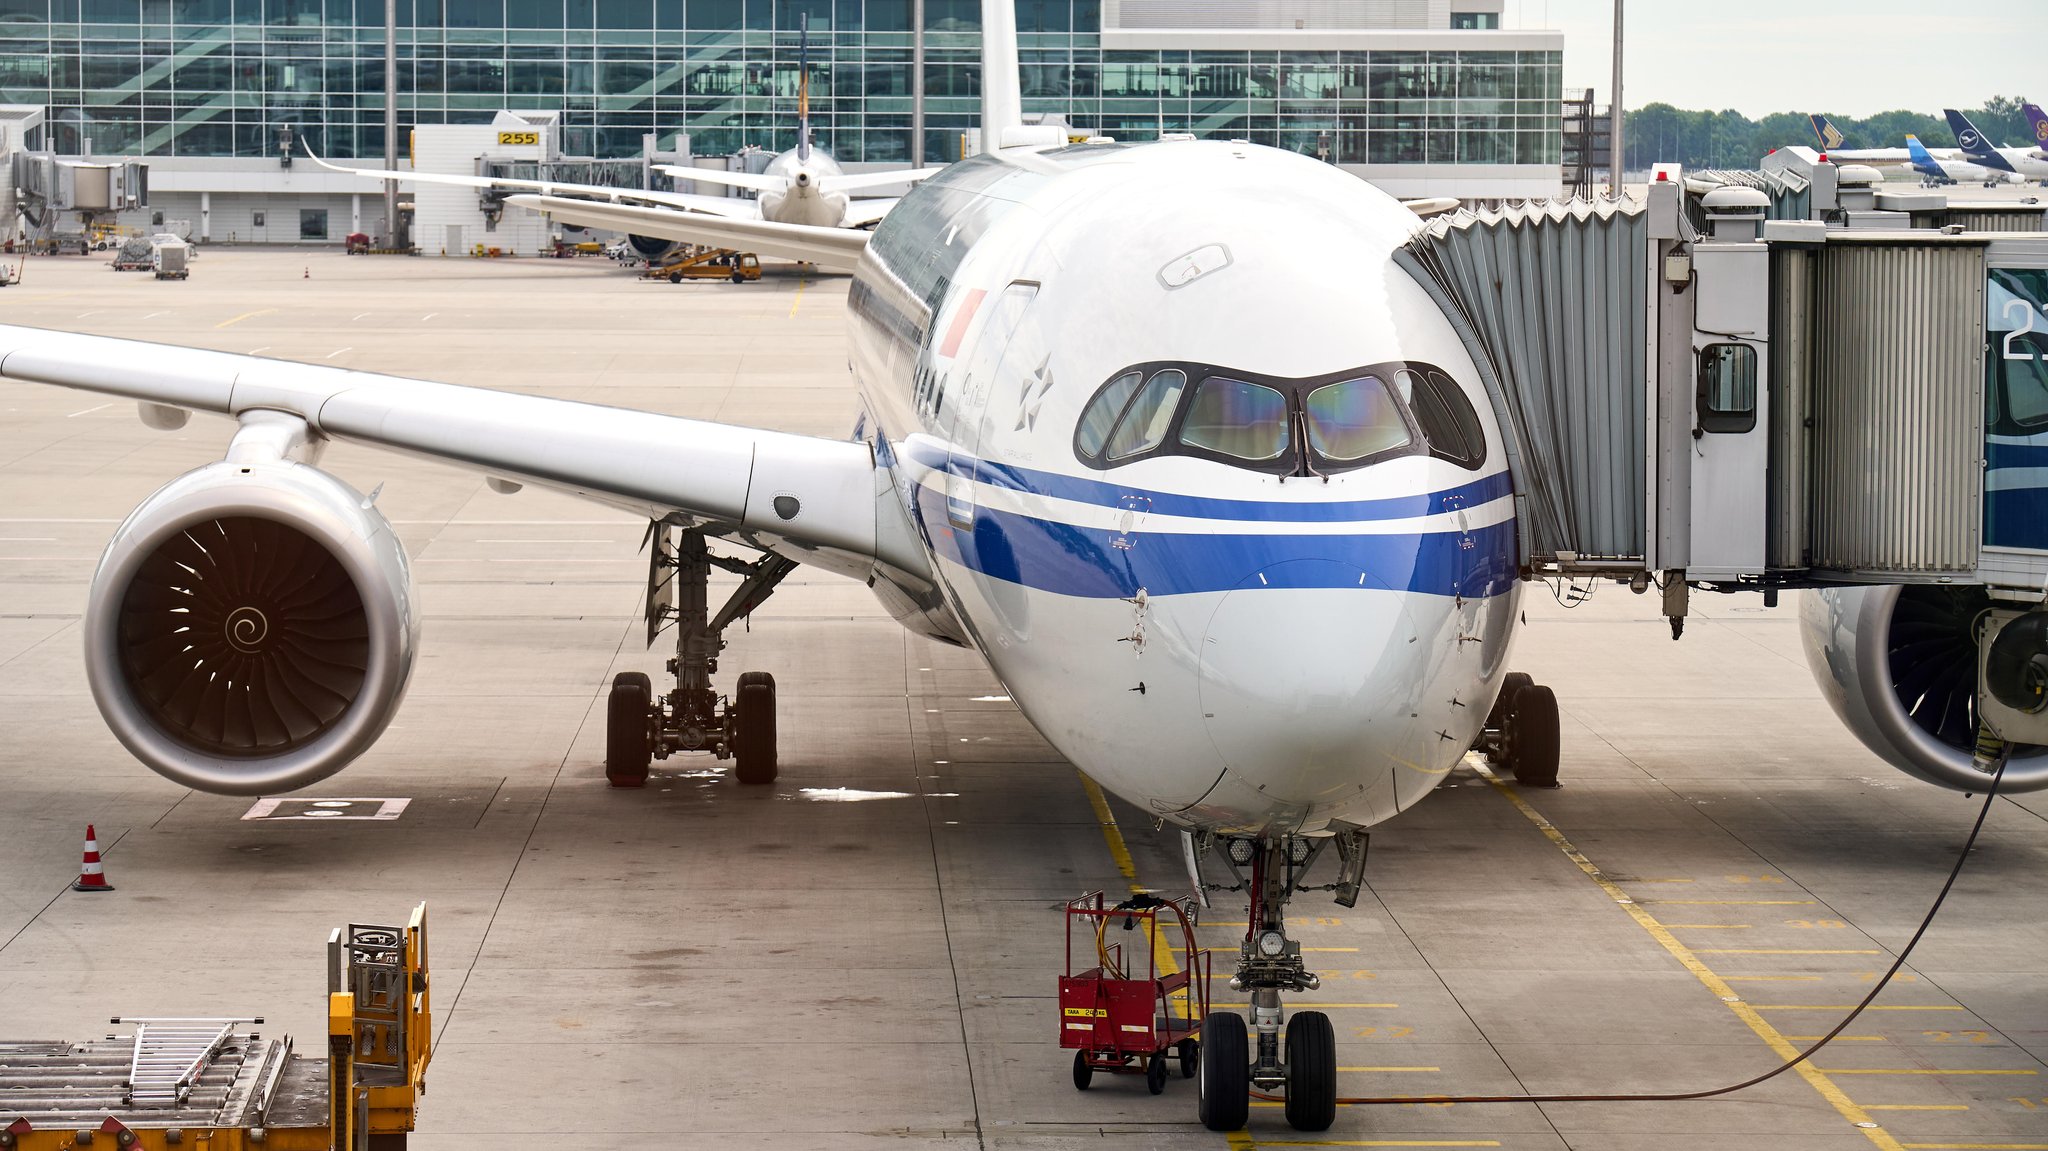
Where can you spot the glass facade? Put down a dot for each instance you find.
(217, 78)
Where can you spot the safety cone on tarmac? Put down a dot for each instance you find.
(92, 877)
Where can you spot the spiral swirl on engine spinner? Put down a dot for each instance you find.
(246, 629)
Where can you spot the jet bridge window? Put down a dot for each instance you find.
(1726, 398)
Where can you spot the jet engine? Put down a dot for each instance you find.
(1899, 664)
(653, 249)
(251, 627)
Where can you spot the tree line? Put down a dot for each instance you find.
(1728, 139)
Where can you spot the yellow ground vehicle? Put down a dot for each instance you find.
(221, 1085)
(708, 264)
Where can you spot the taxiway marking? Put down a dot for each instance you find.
(1690, 960)
(799, 298)
(1162, 954)
(244, 316)
(89, 411)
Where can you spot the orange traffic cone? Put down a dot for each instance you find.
(92, 877)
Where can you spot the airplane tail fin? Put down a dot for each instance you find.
(1824, 130)
(1918, 153)
(2037, 123)
(803, 86)
(1002, 89)
(1975, 147)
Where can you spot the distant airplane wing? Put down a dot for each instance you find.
(731, 480)
(752, 181)
(861, 213)
(831, 247)
(684, 201)
(859, 181)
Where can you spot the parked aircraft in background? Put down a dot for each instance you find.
(1953, 171)
(2019, 164)
(804, 186)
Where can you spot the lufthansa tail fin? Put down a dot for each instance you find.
(1972, 142)
(1824, 130)
(1002, 91)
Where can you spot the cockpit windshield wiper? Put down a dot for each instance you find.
(1297, 421)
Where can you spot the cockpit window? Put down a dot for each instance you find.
(1354, 419)
(1236, 418)
(1282, 426)
(1146, 421)
(1100, 418)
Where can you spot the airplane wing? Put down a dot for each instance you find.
(734, 481)
(858, 181)
(861, 213)
(831, 247)
(752, 181)
(685, 201)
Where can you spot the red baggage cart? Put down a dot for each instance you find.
(1122, 1015)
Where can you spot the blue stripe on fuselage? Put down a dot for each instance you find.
(1082, 490)
(1049, 555)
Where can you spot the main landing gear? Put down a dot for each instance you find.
(1295, 1055)
(640, 727)
(1522, 732)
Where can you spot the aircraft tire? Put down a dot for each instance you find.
(1311, 1072)
(1536, 737)
(753, 702)
(1503, 704)
(626, 750)
(1225, 1077)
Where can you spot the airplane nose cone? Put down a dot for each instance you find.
(1301, 663)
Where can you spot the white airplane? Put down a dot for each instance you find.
(804, 186)
(1956, 171)
(1160, 430)
(2016, 164)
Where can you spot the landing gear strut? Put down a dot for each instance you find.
(641, 727)
(1522, 732)
(1297, 1054)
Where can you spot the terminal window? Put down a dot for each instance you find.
(312, 223)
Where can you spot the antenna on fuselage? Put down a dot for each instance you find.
(803, 86)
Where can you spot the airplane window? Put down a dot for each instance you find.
(1235, 418)
(1145, 422)
(1354, 419)
(1102, 413)
(1448, 423)
(1460, 407)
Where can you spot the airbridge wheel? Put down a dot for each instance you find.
(753, 704)
(627, 751)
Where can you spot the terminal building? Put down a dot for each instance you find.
(1424, 97)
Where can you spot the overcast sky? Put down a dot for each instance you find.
(1851, 57)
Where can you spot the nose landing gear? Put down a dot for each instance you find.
(640, 727)
(1294, 1055)
(1522, 732)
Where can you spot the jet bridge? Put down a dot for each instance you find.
(1774, 379)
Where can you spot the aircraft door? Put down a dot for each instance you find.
(1731, 432)
(986, 362)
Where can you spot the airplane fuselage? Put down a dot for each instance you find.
(804, 201)
(1187, 609)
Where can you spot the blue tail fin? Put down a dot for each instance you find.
(1824, 130)
(1922, 162)
(1973, 143)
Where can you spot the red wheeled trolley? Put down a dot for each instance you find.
(1115, 1022)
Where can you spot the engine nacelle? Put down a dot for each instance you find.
(251, 627)
(1899, 665)
(654, 249)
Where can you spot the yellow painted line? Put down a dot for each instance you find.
(1776, 951)
(1916, 1106)
(1770, 978)
(1923, 1071)
(799, 299)
(1838, 1038)
(244, 316)
(1735, 902)
(1975, 1146)
(1162, 955)
(1815, 1078)
(1390, 1069)
(1240, 1140)
(1708, 926)
(1851, 1007)
(1381, 1143)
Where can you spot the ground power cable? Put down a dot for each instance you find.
(1990, 797)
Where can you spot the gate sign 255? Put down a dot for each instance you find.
(519, 139)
